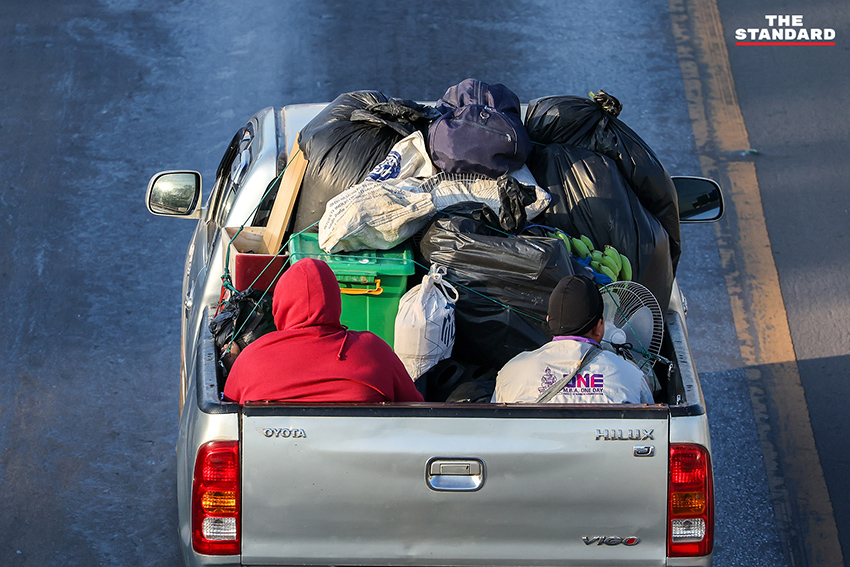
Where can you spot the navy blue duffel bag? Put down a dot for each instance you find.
(480, 130)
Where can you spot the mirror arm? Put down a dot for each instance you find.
(200, 212)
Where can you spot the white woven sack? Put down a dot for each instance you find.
(373, 216)
(385, 209)
(425, 324)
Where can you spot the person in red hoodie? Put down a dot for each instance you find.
(312, 357)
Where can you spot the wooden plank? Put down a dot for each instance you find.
(284, 202)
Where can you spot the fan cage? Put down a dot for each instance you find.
(629, 297)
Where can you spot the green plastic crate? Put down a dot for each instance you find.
(371, 282)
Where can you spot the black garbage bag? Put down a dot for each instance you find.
(403, 116)
(346, 140)
(514, 197)
(504, 283)
(244, 318)
(593, 124)
(477, 388)
(475, 391)
(589, 196)
(453, 381)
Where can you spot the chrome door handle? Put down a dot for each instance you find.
(455, 474)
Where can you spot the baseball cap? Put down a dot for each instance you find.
(575, 306)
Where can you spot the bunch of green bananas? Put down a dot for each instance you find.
(608, 261)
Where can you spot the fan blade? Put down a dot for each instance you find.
(639, 328)
(609, 306)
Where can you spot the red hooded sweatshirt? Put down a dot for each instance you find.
(312, 357)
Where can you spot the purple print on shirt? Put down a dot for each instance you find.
(585, 385)
(547, 380)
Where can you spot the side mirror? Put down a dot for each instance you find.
(700, 199)
(175, 194)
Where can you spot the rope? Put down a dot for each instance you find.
(266, 291)
(226, 280)
(485, 296)
(361, 257)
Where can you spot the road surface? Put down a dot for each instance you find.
(98, 97)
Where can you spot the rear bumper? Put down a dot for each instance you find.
(704, 561)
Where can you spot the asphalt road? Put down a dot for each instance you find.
(96, 98)
(790, 96)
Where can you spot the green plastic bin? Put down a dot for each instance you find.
(371, 282)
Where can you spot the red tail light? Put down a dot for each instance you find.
(215, 499)
(690, 528)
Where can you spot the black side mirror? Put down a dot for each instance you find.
(175, 194)
(700, 199)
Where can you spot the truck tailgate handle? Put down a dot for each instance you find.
(455, 474)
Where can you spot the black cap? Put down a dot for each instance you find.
(575, 306)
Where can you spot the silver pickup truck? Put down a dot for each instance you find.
(422, 483)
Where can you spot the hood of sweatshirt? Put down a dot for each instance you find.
(307, 295)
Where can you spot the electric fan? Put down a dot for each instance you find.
(634, 325)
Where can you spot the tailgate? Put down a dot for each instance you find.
(442, 486)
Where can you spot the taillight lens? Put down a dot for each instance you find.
(215, 499)
(690, 531)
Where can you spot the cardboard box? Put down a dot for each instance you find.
(246, 267)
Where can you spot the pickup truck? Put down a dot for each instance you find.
(422, 483)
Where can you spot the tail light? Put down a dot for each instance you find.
(690, 531)
(215, 499)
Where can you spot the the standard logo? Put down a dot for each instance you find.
(784, 30)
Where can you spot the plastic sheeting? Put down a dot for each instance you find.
(590, 197)
(488, 265)
(593, 124)
(453, 381)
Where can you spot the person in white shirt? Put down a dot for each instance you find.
(549, 374)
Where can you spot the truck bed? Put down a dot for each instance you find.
(679, 384)
(530, 484)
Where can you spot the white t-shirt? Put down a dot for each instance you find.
(606, 379)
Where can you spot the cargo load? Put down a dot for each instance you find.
(593, 124)
(590, 197)
(346, 140)
(504, 282)
(460, 184)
